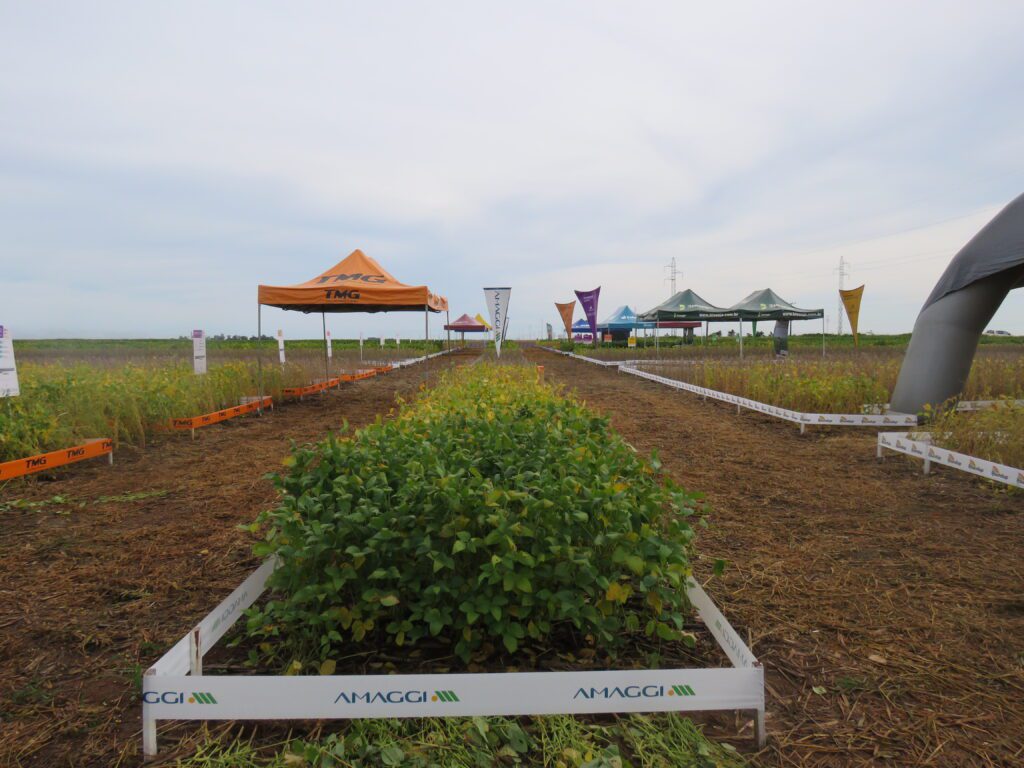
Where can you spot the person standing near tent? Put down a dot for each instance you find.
(780, 338)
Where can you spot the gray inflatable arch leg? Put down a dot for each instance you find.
(944, 341)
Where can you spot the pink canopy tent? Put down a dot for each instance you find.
(464, 325)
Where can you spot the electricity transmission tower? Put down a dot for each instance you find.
(844, 271)
(673, 273)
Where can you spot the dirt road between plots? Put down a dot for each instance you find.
(112, 565)
(887, 607)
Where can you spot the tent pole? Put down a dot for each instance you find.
(657, 349)
(259, 356)
(447, 322)
(327, 364)
(741, 338)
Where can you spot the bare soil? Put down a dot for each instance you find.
(886, 606)
(95, 588)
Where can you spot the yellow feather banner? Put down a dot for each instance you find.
(851, 300)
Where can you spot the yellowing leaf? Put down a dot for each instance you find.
(616, 593)
(654, 600)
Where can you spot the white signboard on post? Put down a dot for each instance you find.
(8, 369)
(330, 352)
(497, 304)
(280, 345)
(199, 351)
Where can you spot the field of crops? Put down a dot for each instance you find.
(539, 524)
(842, 382)
(759, 347)
(118, 352)
(996, 434)
(668, 741)
(489, 523)
(538, 540)
(128, 390)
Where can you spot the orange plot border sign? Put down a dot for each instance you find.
(224, 414)
(301, 392)
(90, 449)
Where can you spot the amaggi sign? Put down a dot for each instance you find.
(497, 305)
(322, 697)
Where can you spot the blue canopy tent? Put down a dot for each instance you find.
(581, 328)
(621, 323)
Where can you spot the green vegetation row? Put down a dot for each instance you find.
(996, 434)
(491, 515)
(840, 383)
(755, 346)
(655, 741)
(213, 344)
(59, 406)
(74, 389)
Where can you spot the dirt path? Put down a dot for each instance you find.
(94, 588)
(886, 606)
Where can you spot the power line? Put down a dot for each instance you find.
(893, 262)
(897, 232)
(914, 259)
(889, 260)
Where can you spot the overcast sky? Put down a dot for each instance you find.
(158, 161)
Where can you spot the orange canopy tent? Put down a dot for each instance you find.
(357, 283)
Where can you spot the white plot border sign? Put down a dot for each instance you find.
(175, 688)
(8, 368)
(414, 360)
(920, 446)
(199, 351)
(606, 363)
(891, 419)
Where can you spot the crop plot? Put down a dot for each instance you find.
(541, 529)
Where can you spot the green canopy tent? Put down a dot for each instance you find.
(765, 304)
(686, 306)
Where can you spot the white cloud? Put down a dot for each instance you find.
(467, 142)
